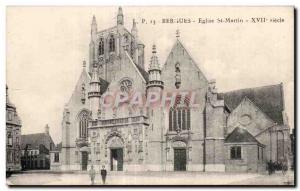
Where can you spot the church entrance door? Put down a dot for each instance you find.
(116, 159)
(84, 160)
(180, 159)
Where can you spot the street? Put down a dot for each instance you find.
(152, 178)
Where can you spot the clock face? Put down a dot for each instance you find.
(126, 85)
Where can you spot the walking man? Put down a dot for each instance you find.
(103, 174)
(92, 173)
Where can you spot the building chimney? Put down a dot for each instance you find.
(47, 129)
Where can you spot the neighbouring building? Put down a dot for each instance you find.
(13, 136)
(55, 158)
(36, 150)
(228, 131)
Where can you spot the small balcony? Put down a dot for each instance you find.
(120, 121)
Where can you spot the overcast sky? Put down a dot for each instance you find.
(46, 47)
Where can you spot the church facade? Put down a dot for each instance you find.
(230, 131)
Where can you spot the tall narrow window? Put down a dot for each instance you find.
(174, 121)
(179, 118)
(235, 152)
(101, 47)
(83, 125)
(111, 44)
(184, 119)
(171, 119)
(188, 119)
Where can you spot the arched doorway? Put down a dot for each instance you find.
(115, 145)
(84, 160)
(180, 156)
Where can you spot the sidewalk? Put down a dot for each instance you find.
(151, 178)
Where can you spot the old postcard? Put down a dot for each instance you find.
(150, 95)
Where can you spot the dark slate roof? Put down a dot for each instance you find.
(35, 140)
(240, 135)
(268, 98)
(104, 84)
(143, 72)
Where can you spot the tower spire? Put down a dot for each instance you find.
(120, 17)
(134, 29)
(154, 71)
(94, 29)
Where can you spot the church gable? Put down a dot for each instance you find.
(180, 63)
(249, 116)
(79, 96)
(130, 73)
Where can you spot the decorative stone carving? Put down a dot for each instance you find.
(115, 142)
(178, 144)
(245, 119)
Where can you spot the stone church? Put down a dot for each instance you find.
(230, 131)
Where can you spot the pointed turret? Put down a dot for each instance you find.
(135, 56)
(92, 52)
(154, 71)
(94, 29)
(94, 93)
(120, 17)
(134, 29)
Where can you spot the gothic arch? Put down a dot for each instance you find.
(178, 138)
(111, 43)
(180, 115)
(114, 134)
(101, 46)
(110, 136)
(83, 121)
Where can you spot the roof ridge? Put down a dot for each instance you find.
(265, 86)
(33, 134)
(244, 130)
(255, 105)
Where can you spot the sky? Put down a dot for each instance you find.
(46, 46)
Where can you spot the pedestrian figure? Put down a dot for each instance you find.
(92, 173)
(103, 174)
(270, 167)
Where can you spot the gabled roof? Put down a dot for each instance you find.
(240, 135)
(35, 140)
(143, 72)
(140, 71)
(268, 98)
(178, 43)
(103, 85)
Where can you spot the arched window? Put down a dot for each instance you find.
(179, 116)
(111, 43)
(83, 124)
(101, 47)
